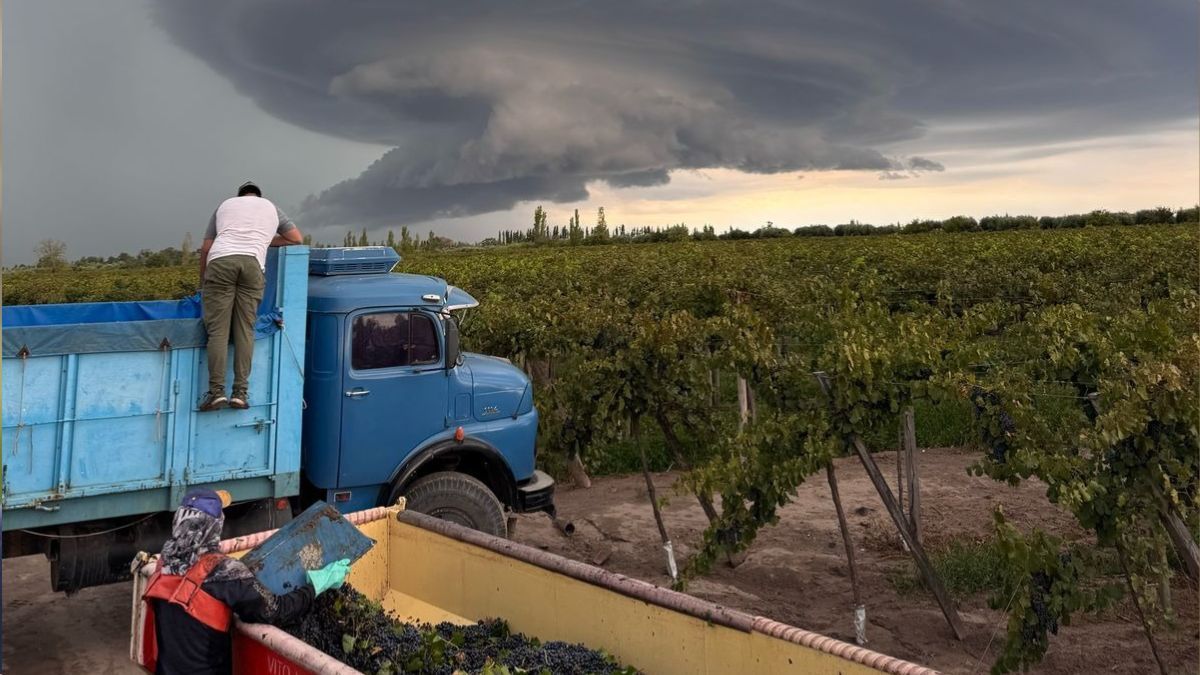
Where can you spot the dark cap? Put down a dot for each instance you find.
(249, 187)
(208, 501)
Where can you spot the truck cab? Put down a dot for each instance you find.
(393, 406)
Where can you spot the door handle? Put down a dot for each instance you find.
(357, 392)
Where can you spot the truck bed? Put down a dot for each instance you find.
(100, 406)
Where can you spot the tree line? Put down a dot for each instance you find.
(52, 253)
(575, 233)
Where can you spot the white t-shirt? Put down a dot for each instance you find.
(245, 226)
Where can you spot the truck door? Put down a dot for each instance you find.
(394, 394)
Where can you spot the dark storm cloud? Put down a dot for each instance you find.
(923, 164)
(488, 104)
(911, 167)
(640, 178)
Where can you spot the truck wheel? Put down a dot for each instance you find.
(458, 498)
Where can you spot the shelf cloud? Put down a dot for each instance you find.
(486, 104)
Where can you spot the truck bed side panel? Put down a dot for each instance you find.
(116, 433)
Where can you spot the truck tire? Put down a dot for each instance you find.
(460, 499)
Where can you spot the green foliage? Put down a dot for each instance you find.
(965, 567)
(599, 233)
(1161, 214)
(960, 224)
(1125, 460)
(756, 473)
(540, 231)
(575, 232)
(853, 229)
(35, 287)
(1007, 222)
(1044, 585)
(623, 456)
(945, 424)
(814, 231)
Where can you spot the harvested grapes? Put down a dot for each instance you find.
(356, 631)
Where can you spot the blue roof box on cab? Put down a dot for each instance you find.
(327, 262)
(347, 279)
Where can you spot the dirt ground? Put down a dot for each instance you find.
(795, 573)
(46, 633)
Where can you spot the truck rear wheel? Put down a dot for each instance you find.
(460, 499)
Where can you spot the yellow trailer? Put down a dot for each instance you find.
(428, 570)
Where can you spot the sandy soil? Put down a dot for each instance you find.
(46, 633)
(795, 572)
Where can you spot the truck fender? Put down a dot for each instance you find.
(471, 456)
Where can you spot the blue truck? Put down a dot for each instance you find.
(360, 394)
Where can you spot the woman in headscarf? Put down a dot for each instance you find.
(196, 591)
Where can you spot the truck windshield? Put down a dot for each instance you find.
(393, 339)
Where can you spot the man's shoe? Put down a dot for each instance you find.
(239, 401)
(213, 401)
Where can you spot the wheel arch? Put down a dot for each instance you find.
(473, 457)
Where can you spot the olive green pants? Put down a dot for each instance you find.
(233, 287)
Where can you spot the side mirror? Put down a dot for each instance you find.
(453, 350)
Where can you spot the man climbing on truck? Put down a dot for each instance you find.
(232, 264)
(196, 590)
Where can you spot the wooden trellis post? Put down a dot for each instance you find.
(668, 547)
(743, 395)
(860, 610)
(932, 580)
(912, 467)
(900, 473)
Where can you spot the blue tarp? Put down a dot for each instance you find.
(22, 316)
(104, 330)
(93, 327)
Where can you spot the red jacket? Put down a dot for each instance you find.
(188, 618)
(187, 592)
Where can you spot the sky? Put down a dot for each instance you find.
(126, 122)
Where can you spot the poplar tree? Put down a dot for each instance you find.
(600, 232)
(576, 232)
